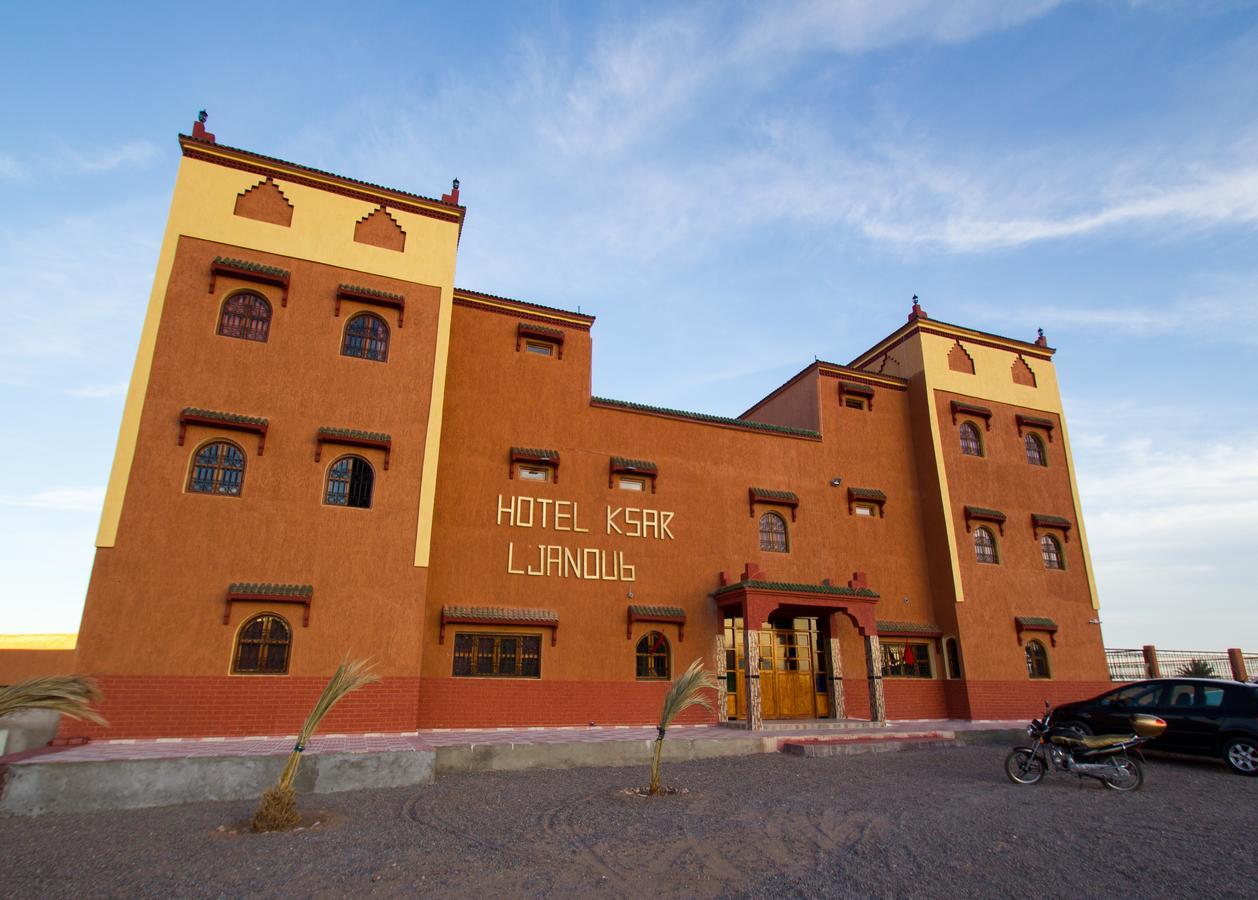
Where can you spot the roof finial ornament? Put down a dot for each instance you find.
(917, 312)
(198, 128)
(453, 197)
(1041, 341)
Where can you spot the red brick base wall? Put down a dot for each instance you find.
(187, 706)
(1025, 699)
(488, 703)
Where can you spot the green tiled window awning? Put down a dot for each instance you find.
(777, 498)
(1036, 623)
(983, 514)
(667, 614)
(867, 495)
(856, 389)
(972, 409)
(796, 588)
(526, 330)
(268, 592)
(1043, 520)
(499, 615)
(354, 437)
(1025, 422)
(909, 629)
(537, 456)
(623, 465)
(373, 297)
(249, 271)
(212, 418)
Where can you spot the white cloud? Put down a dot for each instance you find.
(60, 498)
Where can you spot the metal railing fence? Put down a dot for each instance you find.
(1135, 665)
(1126, 665)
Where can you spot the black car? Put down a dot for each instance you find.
(1205, 716)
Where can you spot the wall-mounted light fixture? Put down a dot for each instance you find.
(835, 482)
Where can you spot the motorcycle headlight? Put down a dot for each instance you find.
(1030, 729)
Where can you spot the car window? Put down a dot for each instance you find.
(1136, 695)
(1210, 696)
(1181, 695)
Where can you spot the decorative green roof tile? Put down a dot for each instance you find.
(636, 465)
(500, 614)
(1043, 519)
(264, 588)
(704, 417)
(223, 416)
(354, 433)
(530, 328)
(972, 408)
(799, 588)
(922, 628)
(660, 612)
(859, 493)
(767, 494)
(853, 387)
(982, 512)
(1035, 622)
(533, 453)
(370, 292)
(248, 266)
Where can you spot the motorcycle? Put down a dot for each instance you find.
(1103, 757)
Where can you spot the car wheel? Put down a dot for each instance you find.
(1241, 755)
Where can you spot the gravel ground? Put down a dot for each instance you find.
(917, 823)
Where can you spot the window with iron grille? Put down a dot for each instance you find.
(1051, 551)
(985, 546)
(652, 656)
(497, 655)
(971, 443)
(217, 468)
(905, 659)
(1036, 660)
(350, 481)
(1035, 450)
(773, 533)
(367, 337)
(262, 646)
(245, 315)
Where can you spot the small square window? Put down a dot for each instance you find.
(863, 509)
(533, 473)
(541, 348)
(854, 402)
(629, 483)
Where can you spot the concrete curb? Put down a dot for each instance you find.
(576, 754)
(36, 788)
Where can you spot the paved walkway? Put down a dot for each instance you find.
(184, 748)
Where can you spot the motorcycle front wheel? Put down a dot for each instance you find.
(1127, 775)
(1024, 766)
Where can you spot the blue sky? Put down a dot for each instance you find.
(731, 189)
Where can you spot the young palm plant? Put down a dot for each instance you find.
(685, 692)
(70, 695)
(1196, 668)
(277, 811)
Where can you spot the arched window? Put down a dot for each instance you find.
(773, 533)
(245, 315)
(971, 443)
(350, 480)
(985, 546)
(1051, 551)
(1035, 450)
(262, 646)
(367, 337)
(217, 468)
(653, 657)
(1036, 660)
(952, 656)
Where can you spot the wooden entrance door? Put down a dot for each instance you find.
(792, 671)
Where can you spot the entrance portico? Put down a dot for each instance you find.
(801, 661)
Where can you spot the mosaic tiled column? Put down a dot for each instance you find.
(873, 669)
(751, 653)
(834, 686)
(722, 698)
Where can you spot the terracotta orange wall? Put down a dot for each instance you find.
(1020, 585)
(795, 405)
(155, 603)
(17, 665)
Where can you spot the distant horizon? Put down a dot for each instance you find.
(732, 191)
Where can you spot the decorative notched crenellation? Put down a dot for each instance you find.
(379, 229)
(266, 203)
(1022, 373)
(959, 359)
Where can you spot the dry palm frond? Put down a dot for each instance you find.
(278, 809)
(686, 691)
(70, 695)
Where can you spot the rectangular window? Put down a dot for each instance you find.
(532, 473)
(862, 509)
(497, 655)
(905, 659)
(541, 348)
(626, 483)
(853, 402)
